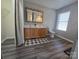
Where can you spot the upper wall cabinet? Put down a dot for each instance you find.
(33, 15)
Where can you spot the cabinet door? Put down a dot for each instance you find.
(37, 31)
(27, 33)
(42, 32)
(32, 33)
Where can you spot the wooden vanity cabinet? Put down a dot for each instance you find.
(35, 32)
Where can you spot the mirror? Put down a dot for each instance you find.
(33, 15)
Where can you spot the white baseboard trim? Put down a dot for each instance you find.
(64, 38)
(7, 39)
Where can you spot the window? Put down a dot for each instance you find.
(62, 21)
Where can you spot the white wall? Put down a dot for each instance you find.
(49, 15)
(7, 20)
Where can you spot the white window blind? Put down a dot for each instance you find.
(62, 21)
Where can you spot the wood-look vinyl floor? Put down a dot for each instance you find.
(54, 49)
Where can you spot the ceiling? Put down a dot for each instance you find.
(54, 4)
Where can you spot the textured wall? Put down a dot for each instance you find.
(72, 29)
